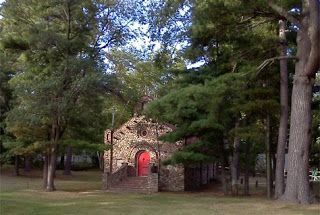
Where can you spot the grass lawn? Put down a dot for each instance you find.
(80, 194)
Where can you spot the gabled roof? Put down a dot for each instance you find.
(140, 127)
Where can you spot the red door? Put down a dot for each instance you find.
(143, 163)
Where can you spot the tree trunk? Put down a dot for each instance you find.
(268, 159)
(61, 165)
(224, 180)
(100, 160)
(200, 170)
(16, 165)
(27, 163)
(68, 163)
(51, 167)
(308, 54)
(297, 189)
(111, 152)
(283, 126)
(215, 170)
(235, 164)
(45, 170)
(55, 164)
(247, 171)
(224, 164)
(55, 135)
(307, 64)
(273, 167)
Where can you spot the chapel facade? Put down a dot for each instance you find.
(135, 161)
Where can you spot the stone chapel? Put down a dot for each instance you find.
(134, 164)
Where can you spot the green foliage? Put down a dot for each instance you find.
(57, 82)
(315, 144)
(81, 145)
(58, 50)
(6, 99)
(133, 78)
(22, 148)
(187, 157)
(232, 38)
(201, 110)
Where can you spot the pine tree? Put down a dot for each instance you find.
(308, 40)
(227, 44)
(54, 40)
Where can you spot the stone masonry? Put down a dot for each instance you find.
(141, 134)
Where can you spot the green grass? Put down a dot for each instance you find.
(81, 194)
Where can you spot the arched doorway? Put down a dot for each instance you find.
(143, 160)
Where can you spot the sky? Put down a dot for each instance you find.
(1, 1)
(141, 43)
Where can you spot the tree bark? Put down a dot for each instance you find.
(246, 171)
(111, 153)
(308, 63)
(51, 168)
(273, 166)
(224, 164)
(100, 160)
(68, 163)
(56, 134)
(283, 126)
(61, 166)
(200, 170)
(235, 164)
(224, 179)
(45, 170)
(16, 165)
(27, 163)
(297, 188)
(308, 53)
(215, 170)
(268, 159)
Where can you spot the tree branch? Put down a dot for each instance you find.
(271, 60)
(313, 63)
(284, 13)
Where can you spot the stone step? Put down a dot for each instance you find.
(134, 188)
(132, 185)
(137, 178)
(133, 182)
(128, 190)
(129, 186)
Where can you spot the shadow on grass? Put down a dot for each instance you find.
(80, 194)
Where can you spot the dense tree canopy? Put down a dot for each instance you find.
(66, 66)
(240, 37)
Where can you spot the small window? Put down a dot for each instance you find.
(144, 133)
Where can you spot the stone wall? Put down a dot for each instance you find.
(153, 183)
(118, 176)
(141, 134)
(171, 178)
